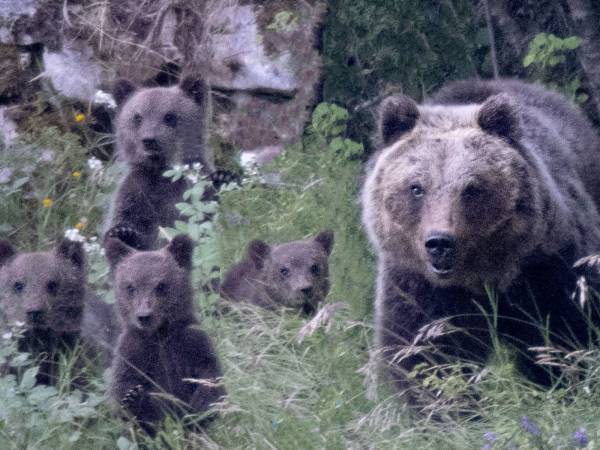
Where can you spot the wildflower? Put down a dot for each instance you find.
(7, 335)
(104, 98)
(72, 234)
(5, 175)
(94, 164)
(490, 437)
(93, 247)
(47, 202)
(79, 117)
(76, 174)
(80, 226)
(580, 436)
(530, 427)
(46, 156)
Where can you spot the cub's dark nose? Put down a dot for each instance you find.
(35, 317)
(151, 145)
(145, 321)
(308, 292)
(440, 245)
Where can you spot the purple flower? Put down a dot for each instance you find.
(530, 426)
(580, 436)
(490, 436)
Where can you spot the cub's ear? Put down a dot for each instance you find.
(7, 251)
(325, 239)
(397, 116)
(116, 251)
(71, 251)
(181, 248)
(258, 251)
(122, 90)
(500, 115)
(194, 87)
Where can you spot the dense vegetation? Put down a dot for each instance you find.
(290, 388)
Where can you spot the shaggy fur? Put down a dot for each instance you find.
(161, 350)
(295, 274)
(489, 183)
(47, 292)
(156, 128)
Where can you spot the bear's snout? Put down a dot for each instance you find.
(441, 249)
(144, 320)
(151, 145)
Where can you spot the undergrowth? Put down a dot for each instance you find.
(287, 388)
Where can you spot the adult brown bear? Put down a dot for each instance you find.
(490, 184)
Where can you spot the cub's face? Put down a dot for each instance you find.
(152, 288)
(295, 274)
(454, 204)
(160, 126)
(44, 290)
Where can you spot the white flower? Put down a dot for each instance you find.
(46, 156)
(193, 177)
(5, 174)
(92, 247)
(94, 164)
(104, 98)
(7, 335)
(197, 166)
(72, 234)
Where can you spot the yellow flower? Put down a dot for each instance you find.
(80, 226)
(79, 117)
(47, 202)
(76, 174)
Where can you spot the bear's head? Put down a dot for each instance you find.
(294, 274)
(43, 290)
(152, 288)
(454, 195)
(160, 126)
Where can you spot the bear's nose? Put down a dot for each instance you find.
(151, 144)
(145, 320)
(439, 245)
(308, 292)
(35, 316)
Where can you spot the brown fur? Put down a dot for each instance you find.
(161, 345)
(294, 274)
(467, 195)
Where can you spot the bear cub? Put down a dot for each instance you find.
(156, 128)
(294, 274)
(161, 348)
(489, 184)
(46, 291)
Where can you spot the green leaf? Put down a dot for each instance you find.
(28, 380)
(123, 443)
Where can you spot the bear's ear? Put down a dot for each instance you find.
(500, 116)
(7, 251)
(71, 251)
(116, 251)
(122, 90)
(181, 248)
(397, 116)
(194, 87)
(325, 239)
(258, 251)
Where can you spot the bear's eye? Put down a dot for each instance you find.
(416, 190)
(18, 287)
(137, 120)
(161, 288)
(52, 287)
(170, 120)
(284, 271)
(315, 269)
(130, 290)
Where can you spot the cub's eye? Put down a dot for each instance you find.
(18, 287)
(170, 120)
(416, 190)
(472, 192)
(52, 287)
(284, 271)
(315, 269)
(137, 120)
(161, 288)
(130, 290)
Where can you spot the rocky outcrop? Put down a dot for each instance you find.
(260, 58)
